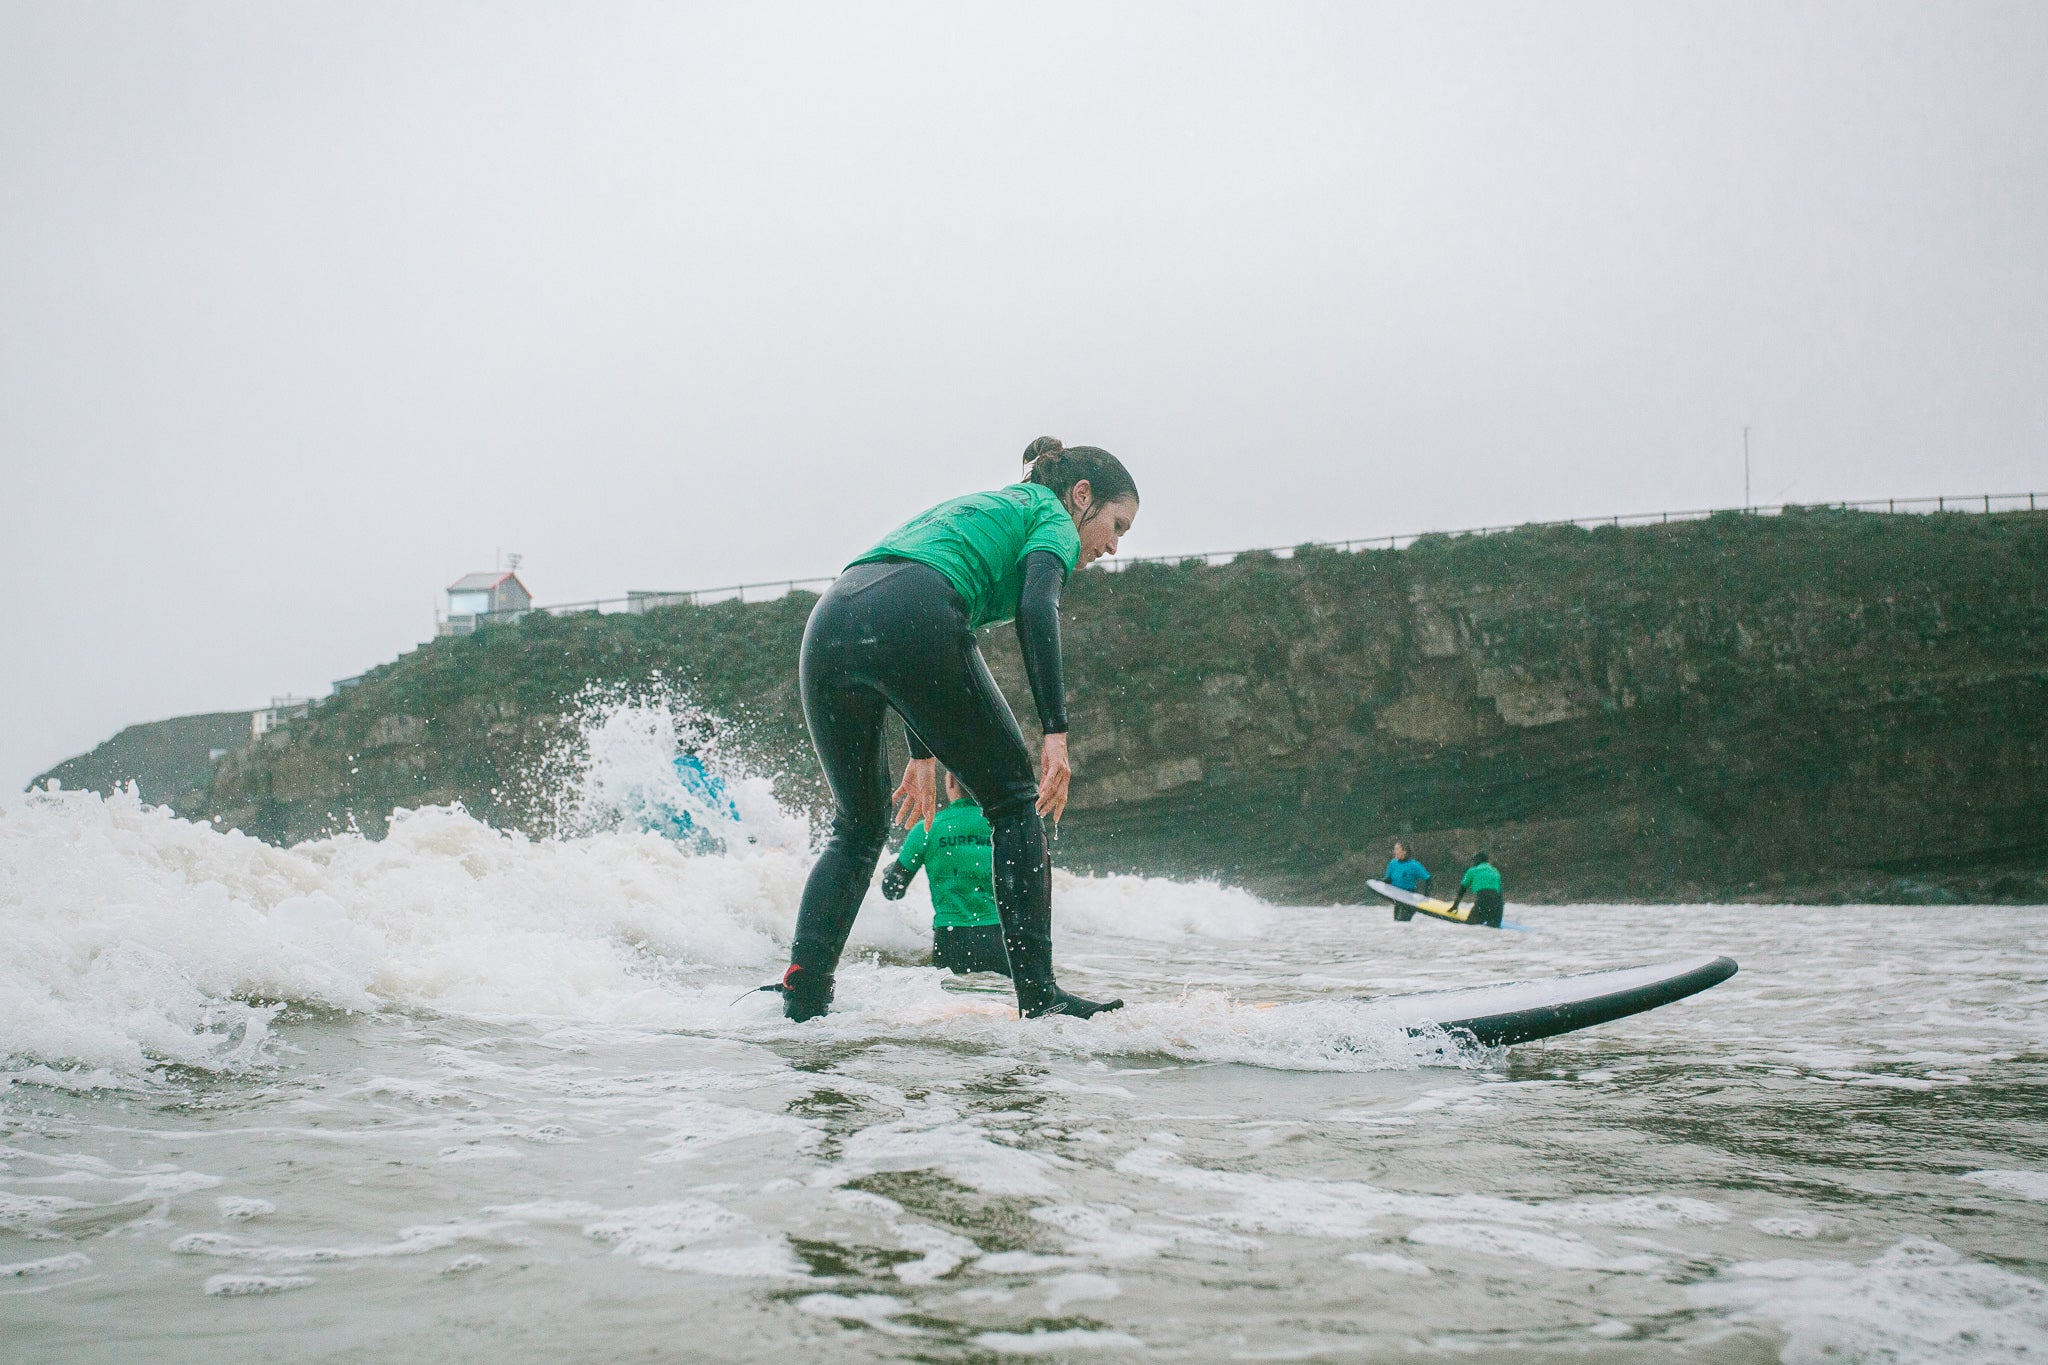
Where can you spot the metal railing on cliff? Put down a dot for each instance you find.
(769, 589)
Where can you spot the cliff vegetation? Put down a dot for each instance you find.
(1819, 705)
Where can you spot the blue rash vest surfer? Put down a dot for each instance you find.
(1403, 871)
(702, 789)
(1407, 874)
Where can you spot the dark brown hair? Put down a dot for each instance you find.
(1059, 468)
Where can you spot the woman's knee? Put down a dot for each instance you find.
(1012, 803)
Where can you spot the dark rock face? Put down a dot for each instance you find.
(169, 761)
(1816, 706)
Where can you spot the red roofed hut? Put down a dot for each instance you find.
(477, 598)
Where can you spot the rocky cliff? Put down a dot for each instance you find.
(169, 761)
(1814, 706)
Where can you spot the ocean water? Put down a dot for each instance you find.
(460, 1095)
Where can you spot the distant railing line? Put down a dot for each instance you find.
(1974, 502)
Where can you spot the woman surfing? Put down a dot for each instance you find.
(895, 632)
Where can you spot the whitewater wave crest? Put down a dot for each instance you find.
(130, 938)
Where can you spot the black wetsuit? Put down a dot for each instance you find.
(894, 635)
(964, 948)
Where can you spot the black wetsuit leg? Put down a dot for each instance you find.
(1487, 908)
(970, 948)
(895, 636)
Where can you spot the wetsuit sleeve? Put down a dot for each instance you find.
(1038, 634)
(903, 867)
(917, 749)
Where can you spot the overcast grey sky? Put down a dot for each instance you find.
(305, 310)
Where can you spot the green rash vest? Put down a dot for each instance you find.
(980, 542)
(1481, 877)
(958, 855)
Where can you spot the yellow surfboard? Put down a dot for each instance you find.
(1434, 908)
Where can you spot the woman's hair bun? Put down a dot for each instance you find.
(1040, 448)
(1048, 462)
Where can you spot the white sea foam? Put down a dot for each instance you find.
(616, 773)
(1551, 1249)
(237, 1286)
(959, 1150)
(412, 1241)
(1919, 1301)
(876, 1311)
(1380, 1260)
(1134, 908)
(1056, 1343)
(48, 1265)
(2023, 1184)
(1638, 1211)
(130, 938)
(1797, 1229)
(1080, 1287)
(1312, 1208)
(236, 1209)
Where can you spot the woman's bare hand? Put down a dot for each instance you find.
(917, 799)
(1053, 776)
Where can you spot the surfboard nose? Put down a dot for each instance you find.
(1513, 1012)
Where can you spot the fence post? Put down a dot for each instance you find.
(1987, 502)
(1941, 503)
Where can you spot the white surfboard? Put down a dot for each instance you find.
(1522, 1011)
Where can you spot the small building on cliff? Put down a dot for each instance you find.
(473, 599)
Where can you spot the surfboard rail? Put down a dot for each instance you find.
(1647, 988)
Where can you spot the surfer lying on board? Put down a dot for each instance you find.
(956, 853)
(1482, 879)
(895, 632)
(1403, 871)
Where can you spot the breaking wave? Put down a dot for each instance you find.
(130, 938)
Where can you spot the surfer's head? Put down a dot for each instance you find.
(1098, 491)
(1400, 851)
(1481, 857)
(954, 791)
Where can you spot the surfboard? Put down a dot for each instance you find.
(1437, 909)
(977, 983)
(1510, 1012)
(1505, 1012)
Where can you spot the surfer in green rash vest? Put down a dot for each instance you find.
(956, 852)
(896, 633)
(1482, 879)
